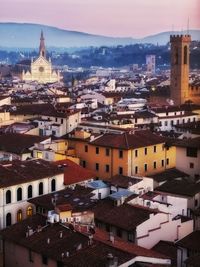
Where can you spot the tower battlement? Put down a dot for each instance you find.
(180, 38)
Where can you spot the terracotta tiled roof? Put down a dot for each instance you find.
(193, 143)
(191, 241)
(168, 175)
(18, 172)
(74, 173)
(138, 139)
(66, 197)
(127, 246)
(19, 143)
(125, 216)
(182, 187)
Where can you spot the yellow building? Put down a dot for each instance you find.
(41, 69)
(138, 153)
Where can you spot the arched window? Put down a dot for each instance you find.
(19, 194)
(29, 211)
(30, 191)
(41, 188)
(185, 54)
(53, 185)
(8, 219)
(8, 197)
(19, 215)
(176, 56)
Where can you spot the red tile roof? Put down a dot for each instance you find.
(138, 139)
(132, 248)
(74, 173)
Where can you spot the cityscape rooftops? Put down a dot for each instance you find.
(18, 172)
(138, 139)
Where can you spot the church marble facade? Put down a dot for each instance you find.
(41, 68)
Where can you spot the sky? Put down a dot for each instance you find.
(122, 18)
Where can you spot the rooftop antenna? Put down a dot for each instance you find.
(188, 26)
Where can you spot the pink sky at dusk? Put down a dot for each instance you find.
(134, 18)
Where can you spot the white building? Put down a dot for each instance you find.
(188, 156)
(20, 181)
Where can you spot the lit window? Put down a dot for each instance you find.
(19, 215)
(29, 211)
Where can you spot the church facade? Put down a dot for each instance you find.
(41, 68)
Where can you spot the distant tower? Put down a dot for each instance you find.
(42, 49)
(151, 63)
(180, 68)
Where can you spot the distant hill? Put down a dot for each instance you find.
(25, 35)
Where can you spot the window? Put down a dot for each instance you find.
(145, 151)
(61, 121)
(97, 166)
(145, 167)
(172, 122)
(191, 152)
(30, 191)
(30, 254)
(120, 170)
(166, 123)
(107, 227)
(53, 185)
(196, 202)
(167, 161)
(107, 152)
(86, 148)
(19, 215)
(29, 211)
(154, 165)
(136, 153)
(84, 164)
(162, 162)
(97, 150)
(40, 188)
(120, 154)
(8, 197)
(44, 260)
(185, 54)
(19, 194)
(107, 168)
(130, 237)
(176, 56)
(136, 169)
(119, 232)
(191, 165)
(8, 219)
(154, 149)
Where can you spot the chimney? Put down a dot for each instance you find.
(90, 239)
(61, 234)
(48, 240)
(111, 237)
(111, 260)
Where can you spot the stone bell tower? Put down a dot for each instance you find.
(180, 68)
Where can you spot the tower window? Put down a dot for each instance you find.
(185, 54)
(176, 56)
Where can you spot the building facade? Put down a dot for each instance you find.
(41, 69)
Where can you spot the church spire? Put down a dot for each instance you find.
(42, 48)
